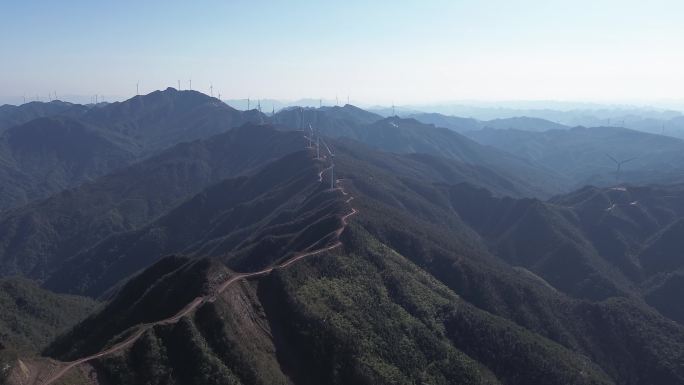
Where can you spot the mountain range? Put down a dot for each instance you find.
(179, 241)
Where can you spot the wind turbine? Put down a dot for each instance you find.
(137, 92)
(310, 137)
(190, 83)
(619, 164)
(301, 118)
(178, 85)
(211, 90)
(318, 144)
(332, 166)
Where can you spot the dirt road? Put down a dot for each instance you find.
(192, 306)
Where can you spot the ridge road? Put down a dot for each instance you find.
(194, 304)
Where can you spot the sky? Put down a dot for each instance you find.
(374, 52)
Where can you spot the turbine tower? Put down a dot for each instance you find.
(211, 90)
(190, 84)
(332, 169)
(178, 85)
(619, 164)
(137, 92)
(318, 144)
(301, 118)
(332, 165)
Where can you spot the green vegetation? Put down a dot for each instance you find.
(31, 317)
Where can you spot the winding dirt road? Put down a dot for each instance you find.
(192, 306)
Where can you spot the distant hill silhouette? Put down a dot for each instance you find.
(582, 153)
(16, 115)
(463, 125)
(60, 145)
(399, 135)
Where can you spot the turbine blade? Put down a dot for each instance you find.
(613, 159)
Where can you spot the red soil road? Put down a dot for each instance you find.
(189, 308)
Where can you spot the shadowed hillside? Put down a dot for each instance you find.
(31, 317)
(37, 238)
(248, 222)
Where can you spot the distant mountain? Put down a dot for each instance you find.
(36, 239)
(330, 121)
(164, 118)
(463, 125)
(16, 115)
(410, 136)
(524, 123)
(78, 143)
(583, 153)
(455, 123)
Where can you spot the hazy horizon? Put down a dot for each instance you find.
(435, 106)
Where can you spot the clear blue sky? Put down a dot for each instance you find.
(374, 51)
